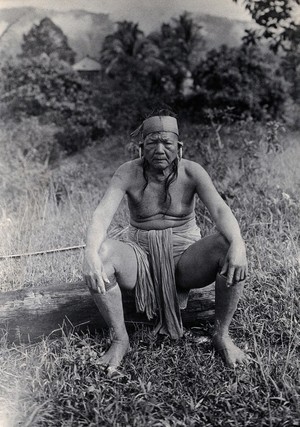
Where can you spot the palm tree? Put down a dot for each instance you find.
(127, 50)
(177, 43)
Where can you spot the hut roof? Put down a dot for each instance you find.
(87, 64)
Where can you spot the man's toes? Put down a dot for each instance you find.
(105, 359)
(112, 372)
(243, 358)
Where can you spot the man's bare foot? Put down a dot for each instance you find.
(231, 354)
(114, 356)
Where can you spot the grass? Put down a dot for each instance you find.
(60, 383)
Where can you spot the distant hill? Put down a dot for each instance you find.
(217, 31)
(86, 31)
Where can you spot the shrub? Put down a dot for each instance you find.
(244, 79)
(51, 89)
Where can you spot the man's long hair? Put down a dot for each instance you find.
(174, 165)
(170, 178)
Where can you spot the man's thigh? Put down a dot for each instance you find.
(199, 264)
(119, 258)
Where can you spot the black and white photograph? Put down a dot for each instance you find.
(149, 213)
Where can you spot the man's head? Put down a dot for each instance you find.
(160, 145)
(159, 124)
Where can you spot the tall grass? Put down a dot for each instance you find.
(162, 383)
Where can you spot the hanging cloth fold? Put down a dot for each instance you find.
(155, 291)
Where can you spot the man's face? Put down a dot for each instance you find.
(160, 149)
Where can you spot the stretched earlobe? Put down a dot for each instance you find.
(141, 154)
(179, 155)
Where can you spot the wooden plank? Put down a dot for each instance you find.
(27, 315)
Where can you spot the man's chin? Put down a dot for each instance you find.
(160, 164)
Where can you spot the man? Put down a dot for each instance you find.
(165, 255)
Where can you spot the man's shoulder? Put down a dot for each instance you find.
(192, 168)
(129, 167)
(129, 171)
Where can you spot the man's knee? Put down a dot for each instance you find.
(107, 250)
(108, 256)
(221, 248)
(222, 244)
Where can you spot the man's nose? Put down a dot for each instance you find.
(160, 147)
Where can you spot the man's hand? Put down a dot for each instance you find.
(94, 273)
(235, 265)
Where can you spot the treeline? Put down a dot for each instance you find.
(140, 72)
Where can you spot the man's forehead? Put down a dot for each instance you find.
(161, 135)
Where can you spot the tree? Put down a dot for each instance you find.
(127, 53)
(179, 44)
(277, 19)
(131, 65)
(50, 89)
(47, 38)
(244, 80)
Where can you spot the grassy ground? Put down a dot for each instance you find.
(59, 382)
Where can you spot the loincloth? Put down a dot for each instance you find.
(155, 290)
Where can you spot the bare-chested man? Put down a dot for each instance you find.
(165, 255)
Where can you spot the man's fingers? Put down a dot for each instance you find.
(88, 281)
(238, 275)
(225, 267)
(230, 275)
(95, 284)
(104, 277)
(100, 286)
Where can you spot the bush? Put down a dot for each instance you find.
(51, 89)
(244, 79)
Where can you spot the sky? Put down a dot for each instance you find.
(138, 10)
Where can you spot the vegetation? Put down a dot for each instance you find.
(140, 71)
(239, 121)
(242, 80)
(47, 38)
(59, 382)
(49, 88)
(277, 20)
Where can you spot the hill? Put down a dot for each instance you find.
(218, 30)
(86, 31)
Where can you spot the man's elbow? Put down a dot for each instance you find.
(222, 212)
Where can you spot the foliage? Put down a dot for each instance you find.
(240, 79)
(127, 54)
(179, 44)
(59, 381)
(48, 38)
(159, 61)
(47, 87)
(277, 19)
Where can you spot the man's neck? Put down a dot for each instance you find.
(159, 175)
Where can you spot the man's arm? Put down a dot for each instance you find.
(97, 230)
(235, 263)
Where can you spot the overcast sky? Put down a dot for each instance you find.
(137, 10)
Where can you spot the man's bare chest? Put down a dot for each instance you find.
(157, 198)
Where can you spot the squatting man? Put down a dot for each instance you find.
(164, 256)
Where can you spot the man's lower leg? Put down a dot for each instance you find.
(226, 303)
(111, 308)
